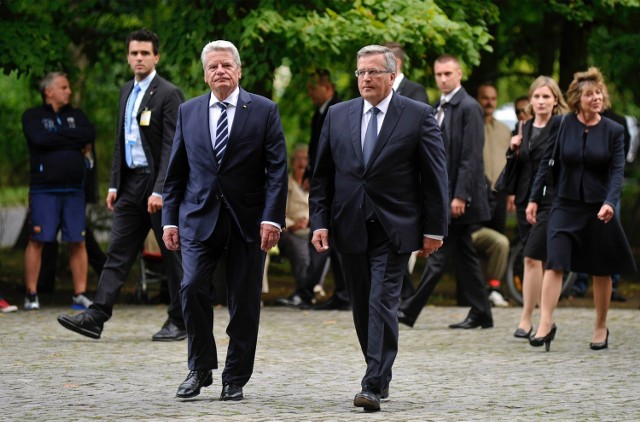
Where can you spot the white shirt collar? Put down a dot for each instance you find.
(382, 105)
(144, 84)
(449, 96)
(232, 99)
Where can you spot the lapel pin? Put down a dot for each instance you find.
(244, 106)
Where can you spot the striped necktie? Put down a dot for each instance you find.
(222, 132)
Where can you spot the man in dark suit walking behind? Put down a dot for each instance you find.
(322, 92)
(380, 185)
(462, 122)
(146, 125)
(401, 84)
(225, 193)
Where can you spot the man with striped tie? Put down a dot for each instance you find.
(225, 193)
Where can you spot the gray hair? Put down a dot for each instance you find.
(47, 81)
(218, 46)
(389, 57)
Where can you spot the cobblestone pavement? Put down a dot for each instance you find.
(309, 365)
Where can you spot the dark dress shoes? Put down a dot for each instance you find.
(82, 323)
(231, 392)
(367, 399)
(170, 331)
(334, 303)
(406, 320)
(474, 322)
(191, 386)
(294, 301)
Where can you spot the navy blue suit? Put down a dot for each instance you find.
(405, 184)
(218, 209)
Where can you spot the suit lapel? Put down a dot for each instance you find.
(390, 121)
(355, 123)
(151, 90)
(203, 131)
(243, 111)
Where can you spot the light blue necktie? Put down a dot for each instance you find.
(222, 132)
(370, 136)
(128, 117)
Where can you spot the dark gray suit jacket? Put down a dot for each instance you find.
(405, 179)
(463, 133)
(413, 90)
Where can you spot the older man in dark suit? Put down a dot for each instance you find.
(225, 193)
(462, 122)
(146, 125)
(380, 185)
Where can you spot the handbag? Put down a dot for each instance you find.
(507, 181)
(553, 171)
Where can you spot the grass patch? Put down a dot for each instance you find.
(14, 196)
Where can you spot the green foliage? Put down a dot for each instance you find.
(85, 38)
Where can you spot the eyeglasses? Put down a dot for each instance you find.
(372, 72)
(521, 110)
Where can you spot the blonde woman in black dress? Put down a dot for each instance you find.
(584, 234)
(528, 147)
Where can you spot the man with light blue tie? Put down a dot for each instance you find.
(380, 187)
(146, 126)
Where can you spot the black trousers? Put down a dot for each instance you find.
(130, 226)
(468, 272)
(244, 267)
(373, 280)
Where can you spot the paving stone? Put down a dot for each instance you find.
(309, 366)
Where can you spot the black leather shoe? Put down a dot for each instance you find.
(521, 333)
(384, 395)
(231, 392)
(294, 301)
(474, 322)
(334, 303)
(367, 399)
(82, 323)
(170, 331)
(191, 386)
(404, 319)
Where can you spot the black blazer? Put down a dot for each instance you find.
(591, 169)
(529, 156)
(162, 99)
(316, 128)
(463, 133)
(413, 90)
(405, 179)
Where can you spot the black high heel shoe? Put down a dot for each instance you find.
(521, 333)
(546, 340)
(600, 346)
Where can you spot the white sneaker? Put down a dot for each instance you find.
(31, 302)
(497, 299)
(80, 302)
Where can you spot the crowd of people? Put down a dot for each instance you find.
(383, 177)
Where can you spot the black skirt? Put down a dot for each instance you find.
(578, 241)
(535, 237)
